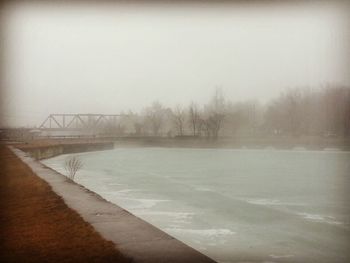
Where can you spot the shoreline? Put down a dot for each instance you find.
(134, 237)
(37, 226)
(280, 143)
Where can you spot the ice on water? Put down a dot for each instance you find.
(233, 205)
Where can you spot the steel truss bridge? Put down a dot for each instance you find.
(70, 122)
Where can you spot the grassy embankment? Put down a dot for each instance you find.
(37, 226)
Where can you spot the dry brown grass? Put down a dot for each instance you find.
(37, 226)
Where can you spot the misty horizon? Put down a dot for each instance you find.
(114, 58)
(230, 108)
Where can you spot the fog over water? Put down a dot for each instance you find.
(106, 58)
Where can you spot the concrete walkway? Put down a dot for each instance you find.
(133, 237)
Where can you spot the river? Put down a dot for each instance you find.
(232, 205)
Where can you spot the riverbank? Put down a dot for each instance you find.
(36, 224)
(239, 142)
(48, 149)
(134, 238)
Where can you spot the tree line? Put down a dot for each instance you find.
(295, 112)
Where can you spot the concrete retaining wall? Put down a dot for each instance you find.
(45, 152)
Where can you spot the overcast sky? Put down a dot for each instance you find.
(108, 58)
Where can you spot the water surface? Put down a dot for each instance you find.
(232, 205)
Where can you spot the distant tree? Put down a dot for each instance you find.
(292, 102)
(310, 112)
(273, 118)
(137, 123)
(242, 116)
(205, 128)
(215, 113)
(179, 117)
(194, 119)
(138, 126)
(336, 105)
(283, 114)
(72, 165)
(155, 117)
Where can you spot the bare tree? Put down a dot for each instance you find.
(310, 112)
(72, 165)
(216, 111)
(137, 123)
(204, 127)
(336, 104)
(194, 118)
(155, 117)
(292, 103)
(179, 117)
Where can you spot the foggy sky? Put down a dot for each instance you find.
(60, 58)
